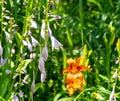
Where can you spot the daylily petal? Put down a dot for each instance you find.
(70, 89)
(74, 76)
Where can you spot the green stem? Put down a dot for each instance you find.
(15, 11)
(81, 19)
(1, 18)
(27, 15)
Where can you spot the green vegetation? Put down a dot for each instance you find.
(38, 36)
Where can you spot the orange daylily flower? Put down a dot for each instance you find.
(74, 76)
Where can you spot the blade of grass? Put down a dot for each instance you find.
(81, 19)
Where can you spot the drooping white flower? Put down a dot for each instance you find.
(1, 49)
(55, 43)
(45, 53)
(58, 17)
(43, 76)
(4, 23)
(33, 86)
(24, 43)
(34, 41)
(7, 36)
(49, 32)
(25, 79)
(29, 45)
(32, 55)
(115, 74)
(21, 93)
(13, 50)
(33, 24)
(16, 84)
(43, 30)
(2, 61)
(8, 71)
(112, 94)
(7, 17)
(16, 98)
(41, 64)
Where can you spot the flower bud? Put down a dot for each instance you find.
(45, 53)
(33, 86)
(118, 45)
(41, 64)
(49, 32)
(1, 49)
(43, 76)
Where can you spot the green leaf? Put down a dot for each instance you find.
(66, 99)
(4, 87)
(103, 90)
(2, 99)
(39, 85)
(23, 65)
(103, 77)
(69, 39)
(58, 96)
(19, 36)
(96, 3)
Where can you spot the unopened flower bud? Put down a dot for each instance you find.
(33, 86)
(49, 32)
(45, 53)
(118, 45)
(41, 64)
(1, 49)
(43, 76)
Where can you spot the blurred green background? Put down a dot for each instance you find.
(95, 23)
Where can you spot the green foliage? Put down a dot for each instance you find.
(74, 23)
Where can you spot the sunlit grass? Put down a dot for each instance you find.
(38, 36)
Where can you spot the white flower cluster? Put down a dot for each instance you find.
(44, 55)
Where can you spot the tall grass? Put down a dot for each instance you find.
(75, 23)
